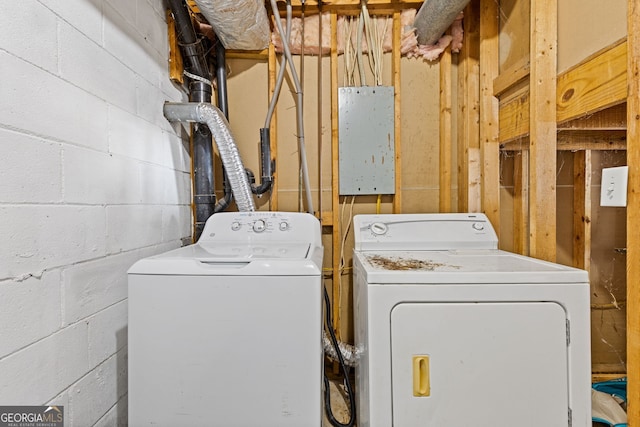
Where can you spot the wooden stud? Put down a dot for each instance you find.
(469, 169)
(510, 77)
(176, 66)
(273, 130)
(445, 131)
(542, 141)
(335, 195)
(395, 71)
(521, 203)
(582, 209)
(633, 213)
(489, 145)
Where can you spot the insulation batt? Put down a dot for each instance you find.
(240, 24)
(408, 44)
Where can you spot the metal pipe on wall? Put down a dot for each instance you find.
(223, 104)
(434, 17)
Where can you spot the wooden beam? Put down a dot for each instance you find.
(514, 115)
(521, 203)
(176, 66)
(597, 83)
(397, 124)
(273, 129)
(335, 188)
(578, 140)
(542, 140)
(445, 132)
(260, 55)
(469, 169)
(582, 209)
(633, 213)
(489, 145)
(511, 77)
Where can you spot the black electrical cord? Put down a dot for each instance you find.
(343, 368)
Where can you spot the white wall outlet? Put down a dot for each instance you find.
(613, 190)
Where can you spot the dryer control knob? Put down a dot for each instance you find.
(284, 226)
(379, 228)
(478, 226)
(236, 226)
(259, 226)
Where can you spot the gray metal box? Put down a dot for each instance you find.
(366, 140)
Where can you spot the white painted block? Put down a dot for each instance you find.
(161, 185)
(39, 372)
(94, 285)
(125, 8)
(42, 237)
(31, 169)
(132, 227)
(152, 26)
(95, 70)
(117, 416)
(30, 311)
(24, 15)
(176, 222)
(92, 397)
(124, 41)
(84, 15)
(151, 99)
(107, 332)
(93, 177)
(62, 111)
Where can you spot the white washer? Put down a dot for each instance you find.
(457, 333)
(228, 331)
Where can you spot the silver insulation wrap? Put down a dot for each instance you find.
(213, 117)
(350, 354)
(240, 24)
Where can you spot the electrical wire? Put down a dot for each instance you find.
(327, 390)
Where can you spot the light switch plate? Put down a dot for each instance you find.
(613, 190)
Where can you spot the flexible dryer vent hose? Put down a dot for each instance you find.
(202, 112)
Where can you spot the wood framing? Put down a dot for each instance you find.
(633, 213)
(521, 203)
(273, 129)
(468, 148)
(542, 129)
(582, 209)
(489, 145)
(395, 71)
(335, 196)
(445, 146)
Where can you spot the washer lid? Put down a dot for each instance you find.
(234, 259)
(462, 266)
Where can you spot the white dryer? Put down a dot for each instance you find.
(228, 331)
(456, 333)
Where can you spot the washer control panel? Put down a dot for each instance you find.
(257, 226)
(424, 232)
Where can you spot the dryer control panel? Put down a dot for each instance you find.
(424, 232)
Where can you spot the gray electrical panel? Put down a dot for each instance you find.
(366, 154)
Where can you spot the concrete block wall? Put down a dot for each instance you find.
(92, 178)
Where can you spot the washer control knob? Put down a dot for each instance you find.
(235, 226)
(379, 228)
(284, 226)
(478, 226)
(259, 226)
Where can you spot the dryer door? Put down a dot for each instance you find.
(479, 364)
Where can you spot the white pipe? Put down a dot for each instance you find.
(202, 112)
(296, 81)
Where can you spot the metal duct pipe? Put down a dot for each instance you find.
(434, 17)
(212, 117)
(239, 24)
(200, 91)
